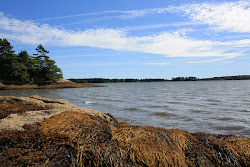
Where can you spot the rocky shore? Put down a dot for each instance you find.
(36, 131)
(63, 83)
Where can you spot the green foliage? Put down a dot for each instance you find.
(45, 68)
(7, 59)
(239, 77)
(23, 68)
(185, 79)
(105, 80)
(41, 51)
(19, 73)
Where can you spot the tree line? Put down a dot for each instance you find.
(239, 77)
(185, 79)
(22, 68)
(105, 80)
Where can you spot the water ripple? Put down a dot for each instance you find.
(206, 106)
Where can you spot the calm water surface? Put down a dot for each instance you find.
(203, 106)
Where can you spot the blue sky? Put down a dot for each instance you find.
(133, 38)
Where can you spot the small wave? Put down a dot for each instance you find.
(174, 102)
(213, 100)
(89, 102)
(244, 133)
(244, 110)
(112, 100)
(213, 104)
(198, 111)
(229, 127)
(155, 106)
(163, 114)
(131, 109)
(224, 118)
(189, 119)
(134, 109)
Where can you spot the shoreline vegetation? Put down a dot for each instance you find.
(23, 71)
(23, 68)
(86, 82)
(36, 131)
(106, 80)
(56, 85)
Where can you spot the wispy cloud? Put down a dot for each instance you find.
(84, 14)
(159, 64)
(212, 60)
(122, 14)
(176, 24)
(143, 12)
(175, 44)
(91, 20)
(227, 16)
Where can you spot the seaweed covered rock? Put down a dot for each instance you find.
(75, 138)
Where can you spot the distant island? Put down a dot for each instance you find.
(238, 77)
(106, 80)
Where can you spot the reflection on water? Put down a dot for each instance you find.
(206, 106)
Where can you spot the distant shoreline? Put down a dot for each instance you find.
(87, 82)
(106, 80)
(48, 86)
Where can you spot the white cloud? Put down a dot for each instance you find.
(29, 32)
(176, 24)
(177, 45)
(212, 60)
(168, 44)
(229, 16)
(241, 43)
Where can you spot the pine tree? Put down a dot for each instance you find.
(23, 68)
(7, 59)
(45, 68)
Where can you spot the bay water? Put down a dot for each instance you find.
(221, 107)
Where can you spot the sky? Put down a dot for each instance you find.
(133, 38)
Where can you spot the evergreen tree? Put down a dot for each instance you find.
(23, 68)
(7, 59)
(19, 73)
(45, 68)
